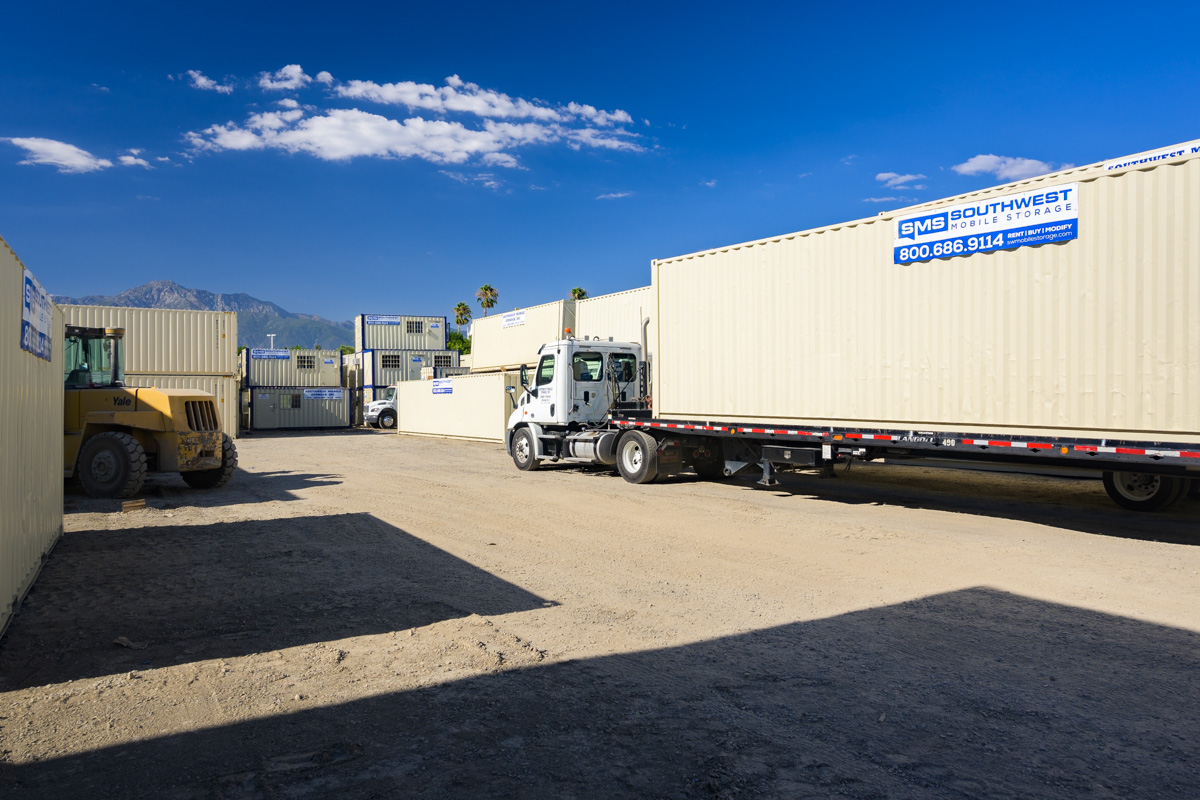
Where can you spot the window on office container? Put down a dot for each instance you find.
(306, 362)
(415, 326)
(391, 361)
(443, 361)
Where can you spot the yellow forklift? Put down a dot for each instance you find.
(113, 434)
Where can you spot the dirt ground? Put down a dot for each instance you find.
(370, 615)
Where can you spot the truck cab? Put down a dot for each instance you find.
(568, 397)
(382, 413)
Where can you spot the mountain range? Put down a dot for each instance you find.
(256, 318)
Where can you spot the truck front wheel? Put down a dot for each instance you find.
(524, 451)
(112, 464)
(1143, 491)
(387, 419)
(216, 477)
(637, 457)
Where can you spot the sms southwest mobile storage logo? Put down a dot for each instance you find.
(1040, 216)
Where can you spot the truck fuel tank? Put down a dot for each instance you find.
(599, 447)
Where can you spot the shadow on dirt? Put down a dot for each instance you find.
(976, 693)
(190, 593)
(1071, 503)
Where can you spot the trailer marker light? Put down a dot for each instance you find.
(1064, 450)
(837, 436)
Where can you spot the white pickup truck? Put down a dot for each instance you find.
(382, 413)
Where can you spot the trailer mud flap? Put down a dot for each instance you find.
(670, 457)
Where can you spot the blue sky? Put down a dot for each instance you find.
(391, 159)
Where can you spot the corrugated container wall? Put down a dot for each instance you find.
(1099, 335)
(383, 368)
(508, 340)
(617, 315)
(299, 407)
(168, 340)
(224, 388)
(472, 406)
(399, 332)
(31, 430)
(261, 367)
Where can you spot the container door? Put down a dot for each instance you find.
(266, 404)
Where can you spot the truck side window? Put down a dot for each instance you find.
(625, 366)
(545, 373)
(587, 367)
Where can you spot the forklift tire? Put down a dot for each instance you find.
(387, 420)
(216, 477)
(637, 457)
(112, 464)
(524, 450)
(1141, 491)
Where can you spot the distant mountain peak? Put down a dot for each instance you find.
(255, 316)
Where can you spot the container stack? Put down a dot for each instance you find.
(294, 389)
(167, 348)
(507, 341)
(391, 349)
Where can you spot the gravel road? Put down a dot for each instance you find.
(362, 614)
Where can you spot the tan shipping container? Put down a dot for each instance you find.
(617, 315)
(472, 406)
(299, 407)
(31, 430)
(316, 368)
(1098, 336)
(399, 332)
(168, 340)
(223, 387)
(508, 340)
(383, 368)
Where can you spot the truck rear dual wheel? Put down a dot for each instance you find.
(112, 464)
(218, 476)
(637, 457)
(1143, 491)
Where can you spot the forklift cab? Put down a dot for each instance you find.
(93, 357)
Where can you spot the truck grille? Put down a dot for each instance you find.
(201, 416)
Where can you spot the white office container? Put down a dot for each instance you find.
(618, 315)
(399, 332)
(298, 407)
(429, 373)
(167, 340)
(31, 429)
(266, 367)
(472, 406)
(383, 368)
(509, 339)
(1096, 336)
(222, 387)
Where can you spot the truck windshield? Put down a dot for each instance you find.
(390, 393)
(88, 361)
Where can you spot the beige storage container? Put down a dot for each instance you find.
(510, 339)
(31, 429)
(167, 340)
(472, 406)
(299, 407)
(316, 368)
(1098, 336)
(429, 373)
(618, 315)
(223, 387)
(399, 332)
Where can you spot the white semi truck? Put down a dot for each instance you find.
(587, 403)
(382, 413)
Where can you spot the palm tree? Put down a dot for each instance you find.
(487, 297)
(578, 293)
(462, 315)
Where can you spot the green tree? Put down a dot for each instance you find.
(462, 315)
(578, 294)
(456, 341)
(346, 350)
(487, 297)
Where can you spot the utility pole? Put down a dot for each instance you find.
(271, 336)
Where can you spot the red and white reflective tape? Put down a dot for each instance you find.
(1019, 445)
(1137, 451)
(884, 436)
(778, 432)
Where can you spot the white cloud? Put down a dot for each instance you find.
(201, 81)
(100, 88)
(883, 199)
(614, 195)
(1006, 168)
(288, 102)
(324, 77)
(894, 180)
(289, 78)
(162, 158)
(67, 157)
(710, 184)
(134, 161)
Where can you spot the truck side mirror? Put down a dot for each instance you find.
(524, 376)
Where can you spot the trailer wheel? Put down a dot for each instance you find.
(216, 477)
(637, 457)
(524, 451)
(1143, 491)
(387, 419)
(112, 464)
